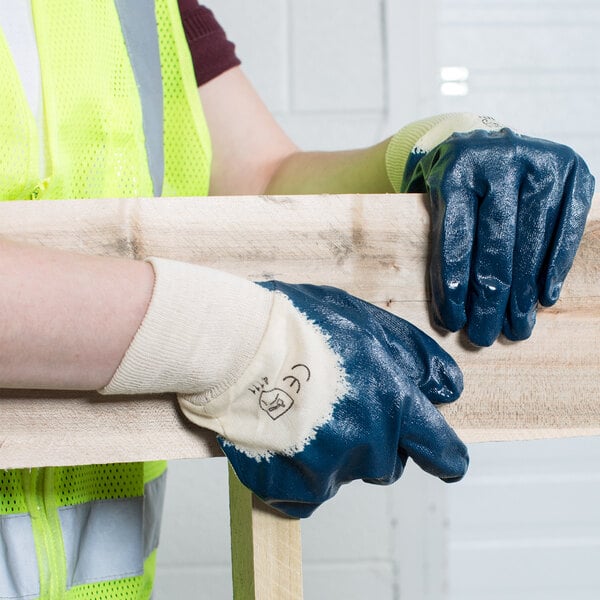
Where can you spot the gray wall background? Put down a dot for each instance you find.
(525, 523)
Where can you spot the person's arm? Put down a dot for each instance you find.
(66, 319)
(253, 155)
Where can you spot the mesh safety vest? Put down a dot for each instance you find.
(121, 119)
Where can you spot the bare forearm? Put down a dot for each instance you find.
(344, 172)
(66, 319)
(253, 155)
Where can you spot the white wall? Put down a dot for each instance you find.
(525, 523)
(341, 73)
(534, 63)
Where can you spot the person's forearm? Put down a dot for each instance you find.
(253, 155)
(66, 320)
(344, 172)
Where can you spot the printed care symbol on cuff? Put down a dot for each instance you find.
(488, 121)
(276, 402)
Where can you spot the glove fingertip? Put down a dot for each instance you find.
(449, 466)
(294, 510)
(480, 335)
(453, 479)
(433, 444)
(445, 383)
(519, 330)
(551, 292)
(450, 316)
(456, 468)
(460, 465)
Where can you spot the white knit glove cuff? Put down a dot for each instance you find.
(200, 332)
(287, 392)
(424, 135)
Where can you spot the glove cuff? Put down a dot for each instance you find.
(416, 139)
(294, 373)
(200, 332)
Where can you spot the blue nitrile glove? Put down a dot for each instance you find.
(507, 215)
(339, 390)
(308, 387)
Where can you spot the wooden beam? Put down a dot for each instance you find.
(373, 246)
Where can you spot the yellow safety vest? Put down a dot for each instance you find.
(121, 119)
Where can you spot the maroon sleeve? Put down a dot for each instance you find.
(212, 53)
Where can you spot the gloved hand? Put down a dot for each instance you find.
(507, 215)
(335, 389)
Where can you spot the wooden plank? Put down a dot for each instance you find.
(41, 428)
(372, 246)
(266, 549)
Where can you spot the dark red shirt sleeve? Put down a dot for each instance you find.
(212, 53)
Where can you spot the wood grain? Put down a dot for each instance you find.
(266, 548)
(373, 246)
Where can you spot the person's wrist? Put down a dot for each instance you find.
(200, 331)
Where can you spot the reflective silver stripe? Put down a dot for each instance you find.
(154, 496)
(16, 20)
(109, 539)
(17, 24)
(103, 540)
(138, 24)
(19, 576)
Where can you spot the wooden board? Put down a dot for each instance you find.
(372, 246)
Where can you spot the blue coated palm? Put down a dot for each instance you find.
(394, 373)
(507, 215)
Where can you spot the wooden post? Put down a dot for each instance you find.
(266, 549)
